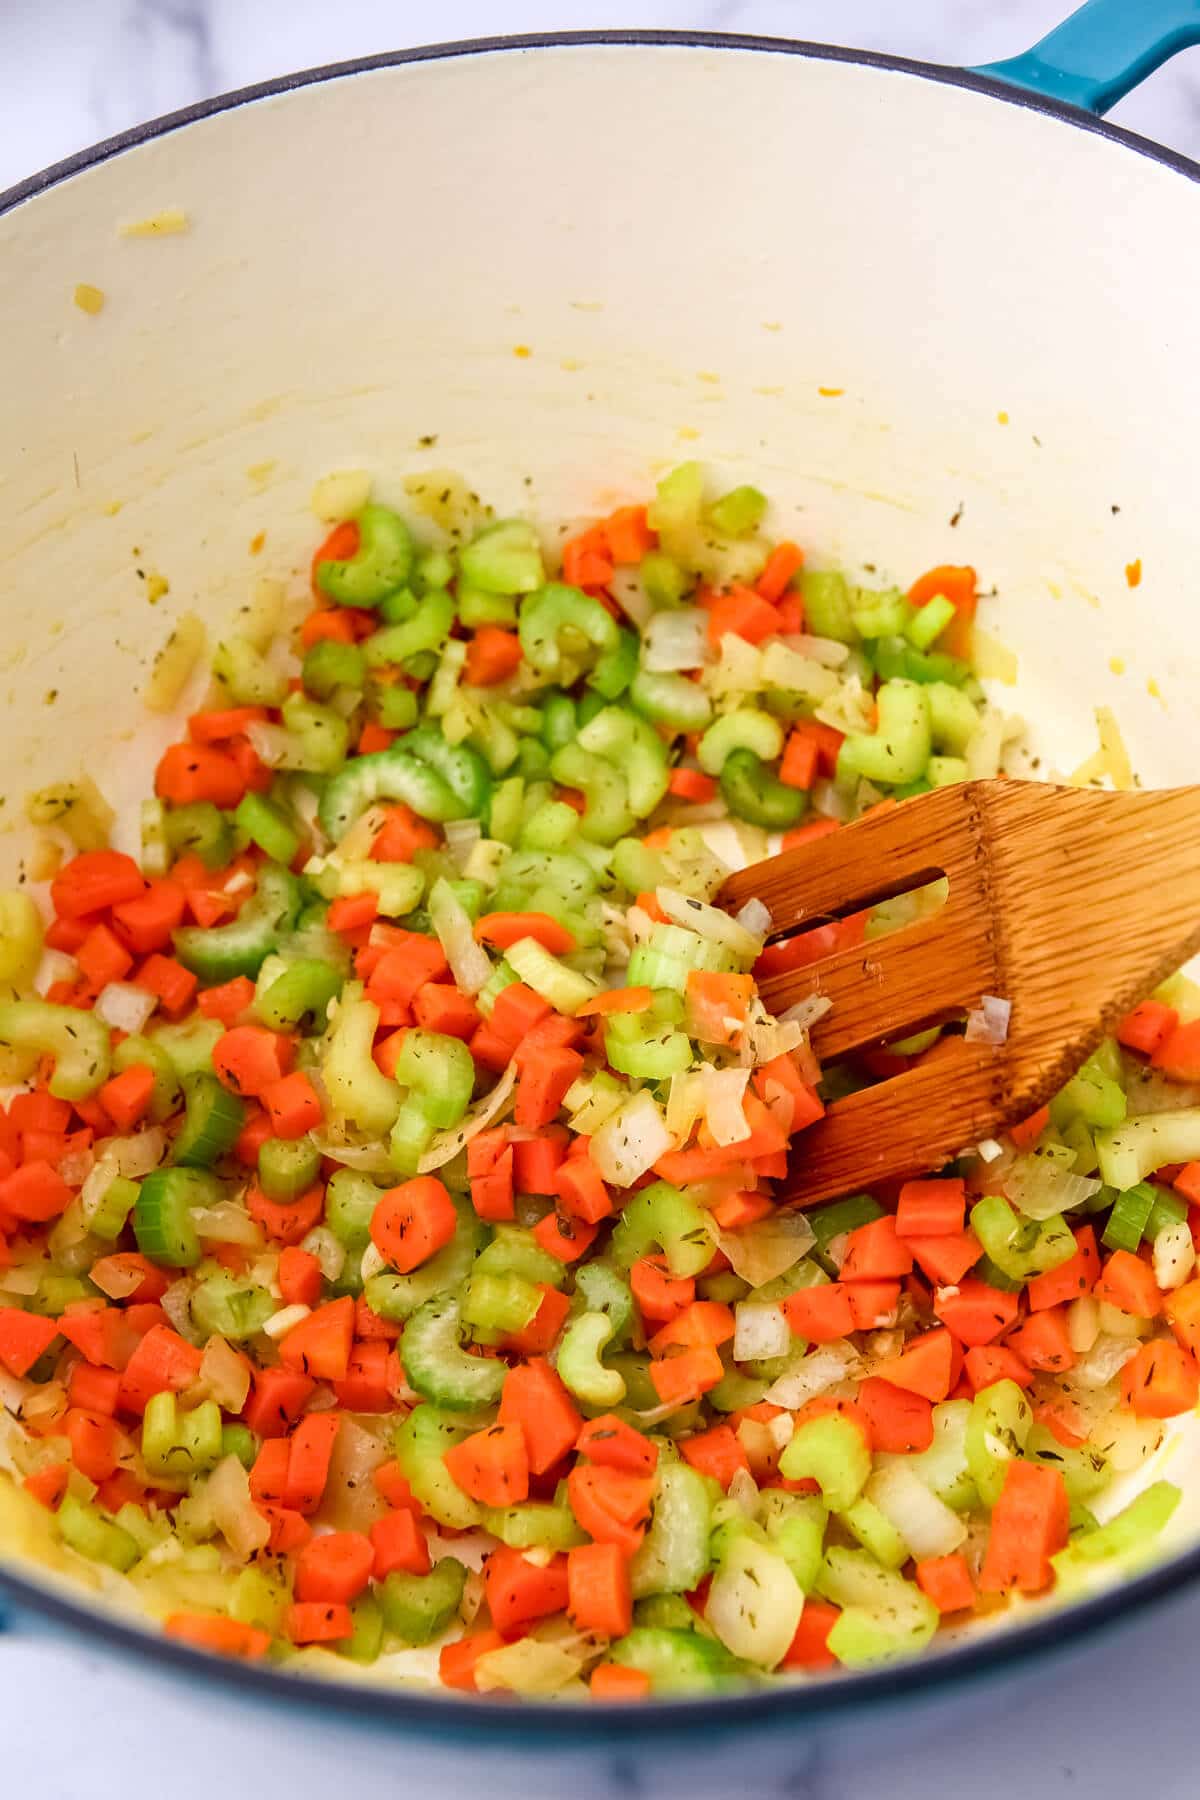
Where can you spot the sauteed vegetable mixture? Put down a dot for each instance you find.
(390, 1266)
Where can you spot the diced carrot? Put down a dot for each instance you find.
(126, 1098)
(820, 1314)
(627, 534)
(439, 1006)
(289, 1530)
(541, 1334)
(23, 1338)
(616, 1000)
(958, 585)
(543, 1084)
(220, 725)
(613, 1443)
(219, 1634)
(660, 1296)
(985, 1364)
(492, 1465)
(703, 1322)
(599, 1597)
(95, 1389)
(874, 1252)
(190, 773)
(163, 1361)
(146, 923)
(277, 1398)
(95, 1442)
(492, 656)
(310, 1450)
(740, 1209)
(717, 1005)
(617, 1681)
(317, 1622)
(717, 1452)
(743, 612)
(809, 1649)
(456, 1661)
(517, 1010)
(1071, 1279)
(792, 840)
(892, 1418)
(367, 1384)
(48, 1484)
(352, 912)
(1182, 1309)
(1187, 1182)
(564, 1237)
(1178, 1055)
(249, 1058)
(399, 1543)
(586, 562)
(152, 1283)
(535, 1399)
(268, 1474)
(691, 784)
(292, 1104)
(781, 566)
(612, 1507)
(925, 1366)
(678, 1379)
(490, 1172)
(581, 1191)
(320, 1344)
(390, 1482)
(1043, 1341)
(287, 1221)
(94, 880)
(1126, 1282)
(976, 1313)
(947, 1582)
(299, 1277)
(1159, 1381)
(402, 834)
(102, 958)
(801, 755)
(413, 1221)
(873, 1303)
(34, 1193)
(931, 1208)
(339, 545)
(1026, 1132)
(1147, 1027)
(504, 929)
(1030, 1522)
(335, 1566)
(520, 1592)
(227, 1003)
(405, 967)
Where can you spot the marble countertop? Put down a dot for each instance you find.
(1104, 1724)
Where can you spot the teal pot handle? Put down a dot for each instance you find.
(1094, 58)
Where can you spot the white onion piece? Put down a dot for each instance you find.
(234, 1514)
(124, 1007)
(225, 1223)
(709, 922)
(1083, 1324)
(817, 649)
(685, 1103)
(374, 1262)
(760, 1329)
(1174, 1255)
(138, 1155)
(988, 1150)
(113, 1280)
(926, 1524)
(823, 1369)
(989, 1024)
(177, 1304)
(830, 802)
(368, 1159)
(1040, 1188)
(285, 1320)
(328, 1250)
(743, 1491)
(1106, 1358)
(768, 1248)
(626, 588)
(755, 918)
(724, 1093)
(447, 1144)
(469, 962)
(461, 836)
(676, 639)
(55, 965)
(273, 744)
(632, 1140)
(26, 1278)
(225, 1375)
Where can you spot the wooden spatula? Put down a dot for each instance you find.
(1069, 903)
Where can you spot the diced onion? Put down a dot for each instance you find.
(760, 1330)
(625, 586)
(993, 661)
(177, 1304)
(225, 1223)
(273, 744)
(676, 639)
(172, 667)
(1106, 1358)
(824, 1368)
(755, 918)
(765, 1037)
(76, 1167)
(469, 962)
(55, 965)
(527, 1666)
(724, 1094)
(1040, 1188)
(632, 1140)
(709, 922)
(447, 1144)
(783, 668)
(987, 1150)
(769, 1247)
(234, 1513)
(374, 1262)
(743, 1491)
(340, 495)
(115, 1281)
(830, 802)
(285, 1320)
(461, 835)
(685, 1103)
(1083, 1324)
(137, 1155)
(926, 1524)
(1174, 1255)
(225, 1375)
(26, 1278)
(989, 1023)
(817, 649)
(124, 1007)
(1125, 1440)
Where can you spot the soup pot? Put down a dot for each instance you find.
(933, 312)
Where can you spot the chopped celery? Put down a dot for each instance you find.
(832, 1452)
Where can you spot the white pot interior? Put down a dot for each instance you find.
(886, 300)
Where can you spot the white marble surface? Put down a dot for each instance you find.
(1115, 1721)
